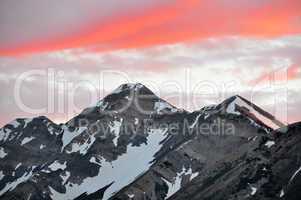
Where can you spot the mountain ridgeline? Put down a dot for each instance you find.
(133, 145)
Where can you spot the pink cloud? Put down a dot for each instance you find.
(177, 21)
(292, 72)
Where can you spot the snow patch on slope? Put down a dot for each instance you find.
(15, 123)
(1, 175)
(136, 122)
(26, 122)
(26, 140)
(281, 193)
(161, 106)
(2, 152)
(195, 121)
(18, 165)
(51, 129)
(68, 136)
(12, 185)
(93, 160)
(193, 175)
(119, 172)
(65, 177)
(56, 165)
(253, 190)
(175, 185)
(82, 148)
(102, 105)
(115, 129)
(269, 144)
(4, 134)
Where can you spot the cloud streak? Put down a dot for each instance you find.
(289, 73)
(169, 23)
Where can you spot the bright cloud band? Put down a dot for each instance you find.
(168, 23)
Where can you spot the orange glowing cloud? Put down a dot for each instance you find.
(177, 21)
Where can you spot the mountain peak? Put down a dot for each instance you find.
(238, 105)
(137, 97)
(129, 90)
(128, 86)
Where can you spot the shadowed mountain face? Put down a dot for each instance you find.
(134, 145)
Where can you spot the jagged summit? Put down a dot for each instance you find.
(137, 97)
(238, 105)
(131, 87)
(10, 130)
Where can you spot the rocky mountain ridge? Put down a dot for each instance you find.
(134, 145)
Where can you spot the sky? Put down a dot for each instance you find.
(59, 57)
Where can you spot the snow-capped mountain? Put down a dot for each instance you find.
(134, 145)
(238, 105)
